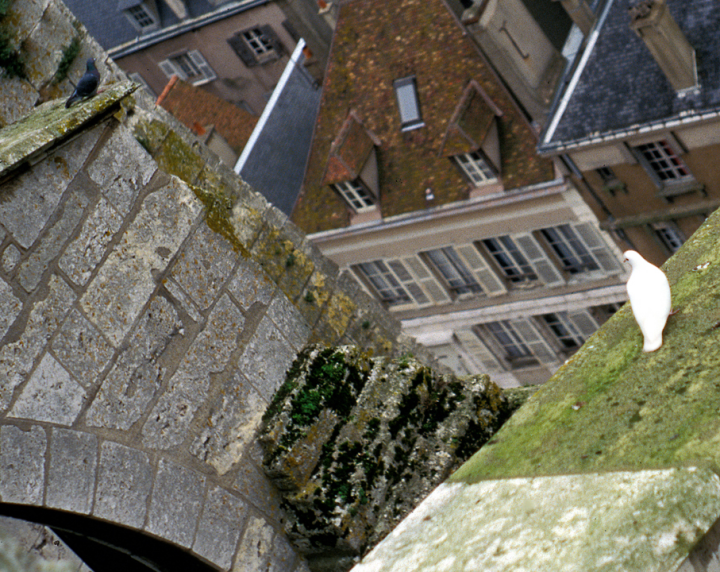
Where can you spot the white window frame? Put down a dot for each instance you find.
(195, 61)
(355, 195)
(456, 273)
(384, 283)
(258, 42)
(511, 261)
(414, 284)
(663, 163)
(408, 103)
(527, 343)
(580, 249)
(476, 168)
(142, 17)
(564, 332)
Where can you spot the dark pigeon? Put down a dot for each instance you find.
(87, 85)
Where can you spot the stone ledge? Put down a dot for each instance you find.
(645, 521)
(51, 124)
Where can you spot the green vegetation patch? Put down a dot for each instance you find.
(70, 53)
(613, 407)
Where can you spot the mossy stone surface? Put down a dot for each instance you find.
(51, 123)
(613, 407)
(357, 442)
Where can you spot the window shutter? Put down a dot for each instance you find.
(244, 52)
(533, 340)
(478, 350)
(427, 280)
(596, 245)
(584, 322)
(270, 34)
(198, 59)
(492, 285)
(544, 268)
(169, 69)
(408, 282)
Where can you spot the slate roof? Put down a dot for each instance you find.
(622, 86)
(111, 28)
(375, 43)
(195, 107)
(276, 164)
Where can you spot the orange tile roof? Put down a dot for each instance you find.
(375, 43)
(197, 109)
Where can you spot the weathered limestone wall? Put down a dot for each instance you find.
(150, 304)
(355, 443)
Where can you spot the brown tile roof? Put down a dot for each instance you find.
(349, 151)
(197, 109)
(375, 43)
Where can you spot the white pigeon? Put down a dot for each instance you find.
(649, 293)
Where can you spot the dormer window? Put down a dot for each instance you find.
(408, 103)
(141, 13)
(355, 195)
(475, 168)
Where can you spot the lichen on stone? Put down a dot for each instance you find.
(356, 442)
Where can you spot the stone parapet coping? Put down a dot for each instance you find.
(617, 521)
(51, 124)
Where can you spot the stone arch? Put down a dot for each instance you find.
(52, 474)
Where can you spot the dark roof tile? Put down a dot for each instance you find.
(622, 85)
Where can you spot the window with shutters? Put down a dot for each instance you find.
(580, 249)
(402, 283)
(408, 103)
(137, 78)
(569, 249)
(454, 271)
(564, 332)
(386, 286)
(257, 45)
(356, 196)
(511, 261)
(514, 351)
(518, 342)
(190, 66)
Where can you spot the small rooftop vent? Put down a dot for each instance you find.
(653, 22)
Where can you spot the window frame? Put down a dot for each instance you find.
(512, 263)
(172, 66)
(521, 355)
(659, 158)
(663, 229)
(130, 13)
(354, 191)
(454, 272)
(577, 248)
(243, 46)
(383, 273)
(406, 96)
(562, 322)
(473, 166)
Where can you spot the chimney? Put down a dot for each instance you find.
(653, 22)
(580, 13)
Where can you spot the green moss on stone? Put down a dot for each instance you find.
(70, 53)
(614, 407)
(10, 59)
